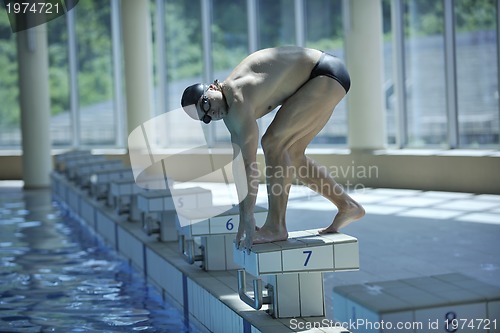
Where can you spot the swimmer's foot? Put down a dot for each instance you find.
(345, 216)
(268, 235)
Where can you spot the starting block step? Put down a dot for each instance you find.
(215, 220)
(123, 195)
(304, 251)
(423, 304)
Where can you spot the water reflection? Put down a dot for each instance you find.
(56, 277)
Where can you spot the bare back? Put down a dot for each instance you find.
(268, 77)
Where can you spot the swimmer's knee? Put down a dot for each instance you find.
(269, 142)
(297, 153)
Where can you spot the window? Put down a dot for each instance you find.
(324, 31)
(184, 62)
(95, 77)
(449, 73)
(389, 96)
(229, 45)
(477, 73)
(60, 122)
(425, 73)
(420, 117)
(10, 135)
(276, 23)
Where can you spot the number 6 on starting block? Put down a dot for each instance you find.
(216, 233)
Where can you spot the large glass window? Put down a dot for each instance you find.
(10, 135)
(444, 64)
(276, 23)
(95, 73)
(425, 108)
(276, 27)
(389, 96)
(230, 45)
(477, 73)
(425, 73)
(184, 44)
(184, 62)
(324, 31)
(60, 123)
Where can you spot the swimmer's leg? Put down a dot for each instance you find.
(284, 144)
(318, 179)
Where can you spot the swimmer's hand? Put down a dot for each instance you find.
(245, 235)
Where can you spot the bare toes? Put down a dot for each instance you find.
(327, 231)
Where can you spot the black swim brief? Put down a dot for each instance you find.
(333, 67)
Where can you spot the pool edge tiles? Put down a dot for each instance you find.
(427, 301)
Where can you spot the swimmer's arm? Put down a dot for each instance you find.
(246, 140)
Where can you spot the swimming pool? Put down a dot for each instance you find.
(55, 276)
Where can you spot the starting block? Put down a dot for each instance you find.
(61, 159)
(100, 180)
(70, 166)
(293, 270)
(65, 164)
(123, 195)
(83, 171)
(159, 212)
(217, 235)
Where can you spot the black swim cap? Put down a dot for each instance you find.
(191, 96)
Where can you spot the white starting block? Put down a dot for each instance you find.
(85, 170)
(57, 185)
(100, 180)
(61, 159)
(158, 211)
(123, 195)
(293, 270)
(217, 235)
(71, 165)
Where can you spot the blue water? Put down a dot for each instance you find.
(55, 276)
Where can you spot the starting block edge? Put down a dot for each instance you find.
(294, 256)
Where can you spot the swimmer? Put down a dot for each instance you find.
(307, 84)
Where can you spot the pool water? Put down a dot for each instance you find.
(55, 276)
